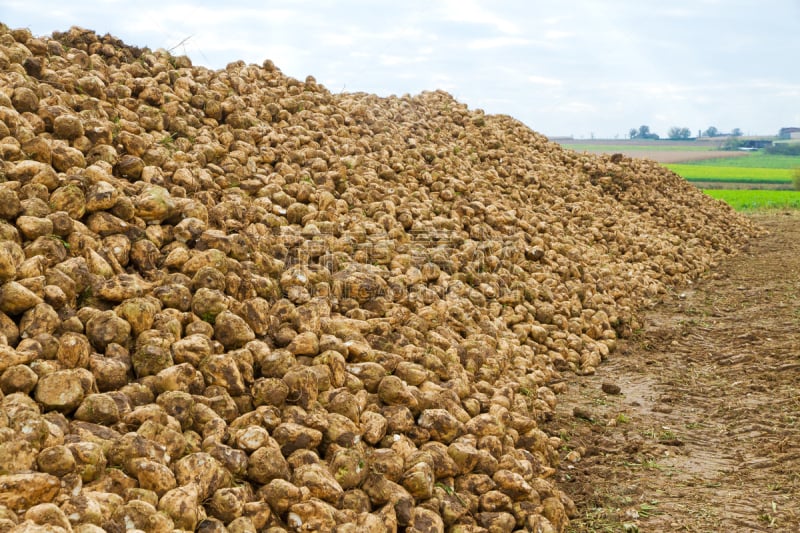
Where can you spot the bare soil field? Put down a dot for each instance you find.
(744, 186)
(694, 424)
(705, 143)
(679, 156)
(675, 156)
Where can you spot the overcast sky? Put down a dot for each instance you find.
(580, 67)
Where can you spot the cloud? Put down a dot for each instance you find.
(471, 12)
(230, 20)
(497, 42)
(576, 108)
(676, 12)
(549, 82)
(338, 39)
(393, 60)
(554, 35)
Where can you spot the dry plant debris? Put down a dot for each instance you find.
(231, 300)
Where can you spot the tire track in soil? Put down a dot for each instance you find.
(705, 434)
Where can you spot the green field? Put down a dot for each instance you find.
(717, 172)
(749, 200)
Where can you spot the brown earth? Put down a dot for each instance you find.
(684, 157)
(743, 186)
(704, 433)
(671, 156)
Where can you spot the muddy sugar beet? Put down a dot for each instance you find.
(230, 300)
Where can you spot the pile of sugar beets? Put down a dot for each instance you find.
(233, 301)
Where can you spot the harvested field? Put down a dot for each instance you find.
(694, 424)
(662, 151)
(671, 156)
(231, 300)
(742, 186)
(684, 157)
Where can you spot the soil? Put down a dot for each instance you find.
(674, 156)
(694, 423)
(743, 186)
(666, 156)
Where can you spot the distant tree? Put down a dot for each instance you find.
(676, 133)
(643, 133)
(737, 132)
(712, 131)
(783, 149)
(731, 143)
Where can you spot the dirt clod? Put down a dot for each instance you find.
(611, 388)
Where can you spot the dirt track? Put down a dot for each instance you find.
(705, 434)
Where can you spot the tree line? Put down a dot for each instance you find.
(678, 133)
